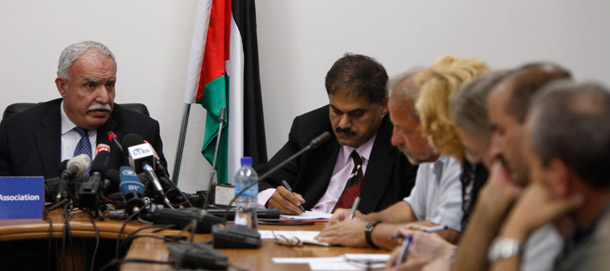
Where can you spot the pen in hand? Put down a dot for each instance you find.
(404, 249)
(426, 230)
(290, 190)
(354, 207)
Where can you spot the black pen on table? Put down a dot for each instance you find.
(290, 189)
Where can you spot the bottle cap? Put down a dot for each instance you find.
(246, 161)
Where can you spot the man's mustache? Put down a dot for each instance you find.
(100, 107)
(346, 131)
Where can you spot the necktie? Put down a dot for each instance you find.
(352, 187)
(84, 145)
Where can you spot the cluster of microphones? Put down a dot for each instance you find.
(145, 172)
(145, 188)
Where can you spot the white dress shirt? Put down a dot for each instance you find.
(437, 195)
(70, 138)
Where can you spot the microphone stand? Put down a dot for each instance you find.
(239, 236)
(312, 145)
(221, 122)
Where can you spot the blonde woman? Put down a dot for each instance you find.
(438, 84)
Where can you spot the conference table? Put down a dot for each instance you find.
(155, 249)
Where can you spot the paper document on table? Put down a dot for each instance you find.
(306, 236)
(306, 260)
(334, 266)
(364, 257)
(344, 262)
(308, 215)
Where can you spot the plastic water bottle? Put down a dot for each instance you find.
(245, 212)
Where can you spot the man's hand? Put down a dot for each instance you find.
(499, 193)
(535, 208)
(287, 201)
(427, 251)
(343, 214)
(347, 233)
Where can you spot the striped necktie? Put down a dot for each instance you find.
(352, 187)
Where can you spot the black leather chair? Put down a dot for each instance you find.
(18, 107)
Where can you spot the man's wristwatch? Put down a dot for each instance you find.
(368, 231)
(504, 248)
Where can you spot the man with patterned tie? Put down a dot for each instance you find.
(35, 141)
(436, 198)
(359, 161)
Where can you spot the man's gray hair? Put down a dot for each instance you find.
(404, 86)
(469, 104)
(571, 122)
(74, 51)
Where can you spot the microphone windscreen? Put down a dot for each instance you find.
(319, 140)
(148, 188)
(131, 140)
(130, 181)
(113, 176)
(82, 161)
(52, 186)
(101, 163)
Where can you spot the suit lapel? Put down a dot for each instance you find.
(326, 164)
(48, 139)
(378, 169)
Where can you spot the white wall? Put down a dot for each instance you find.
(298, 42)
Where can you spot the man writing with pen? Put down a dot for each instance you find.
(436, 200)
(359, 157)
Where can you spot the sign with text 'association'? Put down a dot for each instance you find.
(21, 197)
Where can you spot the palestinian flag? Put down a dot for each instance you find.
(223, 72)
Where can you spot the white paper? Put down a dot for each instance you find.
(333, 266)
(266, 234)
(306, 260)
(308, 215)
(353, 261)
(363, 257)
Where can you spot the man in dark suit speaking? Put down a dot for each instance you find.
(35, 141)
(358, 161)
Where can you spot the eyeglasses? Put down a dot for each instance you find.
(289, 242)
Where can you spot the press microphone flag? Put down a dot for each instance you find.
(142, 159)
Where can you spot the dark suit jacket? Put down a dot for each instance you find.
(30, 141)
(389, 176)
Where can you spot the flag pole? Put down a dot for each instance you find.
(181, 140)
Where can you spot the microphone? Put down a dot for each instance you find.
(319, 140)
(102, 147)
(75, 167)
(314, 143)
(142, 159)
(243, 237)
(111, 181)
(166, 183)
(221, 122)
(113, 138)
(90, 191)
(132, 189)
